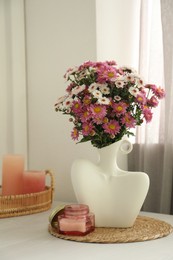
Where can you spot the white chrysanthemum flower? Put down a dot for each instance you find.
(117, 98)
(70, 71)
(82, 75)
(68, 110)
(129, 78)
(103, 101)
(77, 89)
(59, 107)
(92, 87)
(104, 89)
(119, 83)
(124, 68)
(133, 91)
(140, 82)
(68, 103)
(97, 94)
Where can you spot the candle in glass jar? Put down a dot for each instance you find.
(76, 220)
(12, 174)
(33, 181)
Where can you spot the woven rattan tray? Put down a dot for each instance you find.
(25, 204)
(145, 228)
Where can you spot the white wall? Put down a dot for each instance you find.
(118, 31)
(59, 34)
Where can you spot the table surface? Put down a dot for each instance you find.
(27, 237)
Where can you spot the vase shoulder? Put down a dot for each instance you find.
(83, 166)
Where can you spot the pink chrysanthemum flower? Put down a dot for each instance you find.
(77, 107)
(85, 116)
(141, 98)
(159, 92)
(98, 121)
(77, 89)
(87, 64)
(106, 73)
(87, 129)
(120, 108)
(70, 87)
(151, 86)
(153, 102)
(128, 121)
(112, 127)
(98, 110)
(86, 100)
(112, 62)
(75, 134)
(147, 115)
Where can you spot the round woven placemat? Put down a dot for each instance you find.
(145, 228)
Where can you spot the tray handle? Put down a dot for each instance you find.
(52, 181)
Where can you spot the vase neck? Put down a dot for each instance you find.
(108, 158)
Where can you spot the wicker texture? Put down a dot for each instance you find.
(25, 204)
(145, 228)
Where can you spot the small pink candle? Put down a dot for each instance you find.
(12, 174)
(69, 225)
(76, 220)
(33, 181)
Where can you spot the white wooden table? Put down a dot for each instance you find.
(27, 237)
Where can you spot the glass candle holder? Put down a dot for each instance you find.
(76, 220)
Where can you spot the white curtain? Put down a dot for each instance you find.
(153, 151)
(13, 112)
(167, 28)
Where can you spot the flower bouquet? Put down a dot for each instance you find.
(105, 101)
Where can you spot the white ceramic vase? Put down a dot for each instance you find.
(115, 196)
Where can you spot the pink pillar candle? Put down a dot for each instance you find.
(33, 181)
(12, 174)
